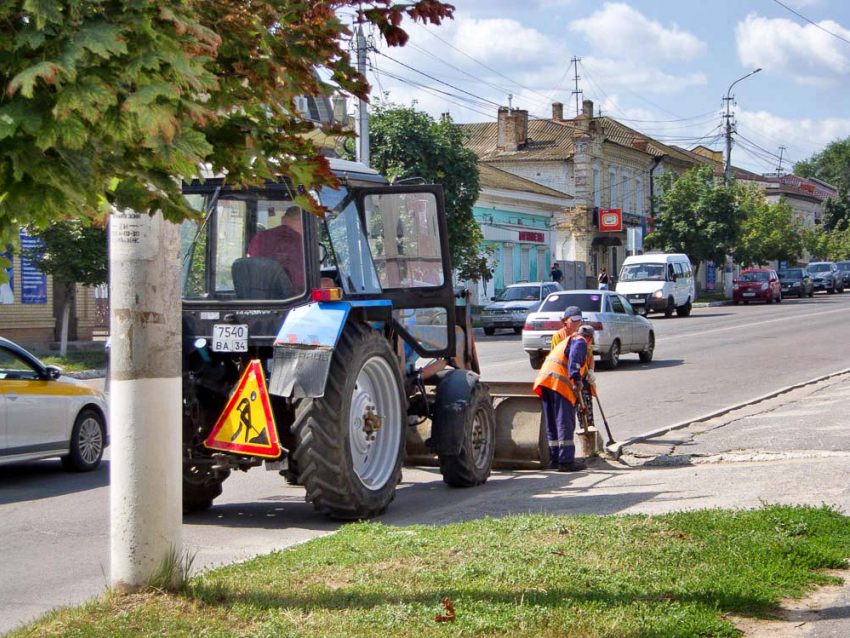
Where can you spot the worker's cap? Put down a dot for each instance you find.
(572, 312)
(586, 331)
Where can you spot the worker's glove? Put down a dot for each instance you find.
(591, 378)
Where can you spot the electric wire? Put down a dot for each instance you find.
(811, 22)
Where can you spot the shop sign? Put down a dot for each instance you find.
(611, 220)
(525, 235)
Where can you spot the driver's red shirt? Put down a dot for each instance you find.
(285, 245)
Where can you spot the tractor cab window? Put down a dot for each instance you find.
(405, 239)
(344, 235)
(247, 248)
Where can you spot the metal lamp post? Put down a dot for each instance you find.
(727, 175)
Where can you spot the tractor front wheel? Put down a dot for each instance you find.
(350, 442)
(471, 466)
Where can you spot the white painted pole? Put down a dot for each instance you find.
(362, 120)
(145, 397)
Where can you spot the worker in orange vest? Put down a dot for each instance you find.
(558, 384)
(571, 321)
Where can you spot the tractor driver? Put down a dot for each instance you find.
(284, 244)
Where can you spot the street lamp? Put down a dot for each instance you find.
(727, 174)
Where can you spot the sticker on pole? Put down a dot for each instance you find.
(246, 426)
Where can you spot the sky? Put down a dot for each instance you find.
(660, 66)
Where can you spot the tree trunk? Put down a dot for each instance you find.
(145, 398)
(68, 299)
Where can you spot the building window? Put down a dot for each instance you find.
(639, 195)
(612, 188)
(597, 187)
(625, 192)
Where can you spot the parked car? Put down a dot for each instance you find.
(796, 282)
(619, 329)
(45, 414)
(509, 309)
(658, 282)
(844, 268)
(756, 284)
(826, 276)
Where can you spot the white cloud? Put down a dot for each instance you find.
(807, 54)
(638, 77)
(621, 31)
(803, 137)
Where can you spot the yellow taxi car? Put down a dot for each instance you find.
(44, 414)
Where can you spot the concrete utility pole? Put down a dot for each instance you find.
(362, 121)
(578, 93)
(727, 174)
(782, 150)
(145, 411)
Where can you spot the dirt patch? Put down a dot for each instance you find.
(797, 617)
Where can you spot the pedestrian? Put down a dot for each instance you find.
(558, 385)
(603, 279)
(571, 321)
(557, 275)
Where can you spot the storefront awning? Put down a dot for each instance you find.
(606, 241)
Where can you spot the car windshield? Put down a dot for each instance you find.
(643, 272)
(843, 265)
(820, 267)
(753, 276)
(520, 293)
(791, 274)
(558, 302)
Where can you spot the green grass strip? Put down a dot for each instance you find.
(522, 576)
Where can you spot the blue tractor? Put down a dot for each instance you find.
(322, 348)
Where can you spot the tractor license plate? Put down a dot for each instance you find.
(228, 337)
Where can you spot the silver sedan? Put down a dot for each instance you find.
(619, 330)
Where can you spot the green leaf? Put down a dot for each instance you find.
(102, 39)
(150, 93)
(25, 80)
(44, 11)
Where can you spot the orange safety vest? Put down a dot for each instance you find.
(554, 374)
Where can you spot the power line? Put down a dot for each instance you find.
(637, 95)
(456, 68)
(811, 22)
(431, 77)
(464, 53)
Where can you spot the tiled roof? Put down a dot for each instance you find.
(739, 173)
(548, 140)
(619, 133)
(492, 177)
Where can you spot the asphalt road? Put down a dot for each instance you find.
(55, 526)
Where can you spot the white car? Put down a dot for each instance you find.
(44, 414)
(618, 329)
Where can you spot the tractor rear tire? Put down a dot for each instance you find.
(348, 472)
(472, 465)
(200, 491)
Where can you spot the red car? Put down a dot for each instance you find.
(756, 284)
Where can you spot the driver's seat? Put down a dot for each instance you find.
(260, 278)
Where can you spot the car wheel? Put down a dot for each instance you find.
(489, 331)
(746, 303)
(735, 302)
(536, 359)
(841, 290)
(779, 298)
(647, 354)
(769, 299)
(612, 359)
(670, 309)
(685, 311)
(800, 294)
(811, 293)
(88, 440)
(517, 331)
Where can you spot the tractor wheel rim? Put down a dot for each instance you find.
(374, 454)
(481, 440)
(90, 440)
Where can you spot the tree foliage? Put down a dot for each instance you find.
(407, 143)
(832, 165)
(696, 216)
(106, 103)
(769, 232)
(72, 252)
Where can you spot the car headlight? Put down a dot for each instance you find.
(796, 284)
(765, 286)
(735, 287)
(658, 294)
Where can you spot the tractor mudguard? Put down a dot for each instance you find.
(305, 344)
(453, 396)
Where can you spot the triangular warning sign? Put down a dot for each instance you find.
(246, 426)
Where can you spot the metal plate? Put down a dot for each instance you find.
(229, 337)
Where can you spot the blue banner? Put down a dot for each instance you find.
(710, 275)
(33, 281)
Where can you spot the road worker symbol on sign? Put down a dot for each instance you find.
(246, 426)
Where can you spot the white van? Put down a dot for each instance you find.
(658, 282)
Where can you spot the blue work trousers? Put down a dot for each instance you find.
(560, 418)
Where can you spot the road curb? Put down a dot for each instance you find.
(617, 449)
(87, 375)
(711, 304)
